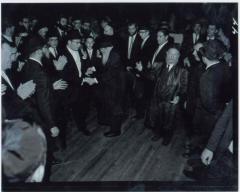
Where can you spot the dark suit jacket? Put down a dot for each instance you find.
(187, 45)
(171, 83)
(111, 84)
(161, 54)
(134, 52)
(146, 52)
(71, 75)
(15, 107)
(222, 133)
(214, 85)
(42, 98)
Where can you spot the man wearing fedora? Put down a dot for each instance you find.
(111, 89)
(42, 99)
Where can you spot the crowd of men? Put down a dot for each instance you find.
(51, 74)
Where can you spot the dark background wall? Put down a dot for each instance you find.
(221, 13)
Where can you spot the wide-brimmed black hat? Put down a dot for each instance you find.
(74, 34)
(105, 43)
(52, 33)
(40, 26)
(144, 27)
(34, 43)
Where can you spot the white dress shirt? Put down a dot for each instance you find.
(169, 67)
(5, 77)
(212, 65)
(90, 52)
(77, 59)
(38, 61)
(144, 41)
(195, 37)
(157, 51)
(53, 51)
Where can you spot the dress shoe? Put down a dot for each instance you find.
(166, 141)
(112, 134)
(155, 138)
(85, 132)
(198, 174)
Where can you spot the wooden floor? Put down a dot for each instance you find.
(129, 157)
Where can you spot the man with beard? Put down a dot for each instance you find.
(170, 88)
(110, 90)
(62, 26)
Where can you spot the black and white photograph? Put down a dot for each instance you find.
(119, 96)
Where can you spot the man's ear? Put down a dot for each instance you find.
(20, 23)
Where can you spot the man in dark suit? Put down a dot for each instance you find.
(110, 90)
(147, 48)
(62, 30)
(77, 25)
(74, 73)
(42, 99)
(171, 86)
(191, 38)
(54, 62)
(154, 66)
(215, 79)
(131, 56)
(132, 46)
(8, 29)
(217, 159)
(14, 98)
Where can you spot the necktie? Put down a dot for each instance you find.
(130, 47)
(168, 67)
(55, 52)
(155, 55)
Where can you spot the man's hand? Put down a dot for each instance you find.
(206, 156)
(54, 131)
(129, 68)
(60, 63)
(185, 105)
(90, 71)
(90, 81)
(186, 62)
(60, 85)
(175, 100)
(20, 65)
(99, 54)
(84, 54)
(26, 90)
(139, 66)
(3, 89)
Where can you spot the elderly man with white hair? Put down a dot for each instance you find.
(170, 88)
